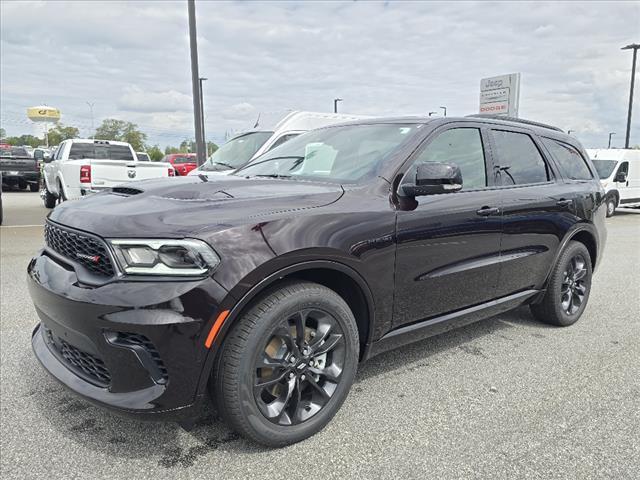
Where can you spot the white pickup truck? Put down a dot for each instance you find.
(80, 167)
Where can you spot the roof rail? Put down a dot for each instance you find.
(517, 120)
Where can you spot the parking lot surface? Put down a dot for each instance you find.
(504, 398)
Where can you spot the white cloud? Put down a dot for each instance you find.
(137, 100)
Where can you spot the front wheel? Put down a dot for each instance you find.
(568, 288)
(287, 365)
(611, 206)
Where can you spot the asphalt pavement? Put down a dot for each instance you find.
(504, 398)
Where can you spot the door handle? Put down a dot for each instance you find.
(564, 203)
(487, 211)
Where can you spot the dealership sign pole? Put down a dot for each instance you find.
(500, 95)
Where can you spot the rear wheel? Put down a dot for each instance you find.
(611, 206)
(287, 365)
(568, 288)
(61, 196)
(48, 198)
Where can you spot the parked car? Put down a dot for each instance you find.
(619, 172)
(81, 167)
(266, 288)
(143, 156)
(21, 170)
(246, 146)
(183, 163)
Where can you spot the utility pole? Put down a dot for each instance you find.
(93, 130)
(634, 47)
(204, 138)
(610, 135)
(445, 110)
(335, 104)
(195, 85)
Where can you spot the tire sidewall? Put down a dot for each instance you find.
(573, 249)
(266, 431)
(611, 206)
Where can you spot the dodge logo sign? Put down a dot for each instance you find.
(131, 173)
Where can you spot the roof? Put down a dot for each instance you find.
(89, 140)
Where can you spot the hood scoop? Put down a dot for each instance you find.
(194, 194)
(126, 190)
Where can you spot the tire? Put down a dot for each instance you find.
(33, 187)
(61, 196)
(611, 206)
(49, 198)
(265, 333)
(568, 288)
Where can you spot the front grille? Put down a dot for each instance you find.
(86, 250)
(136, 340)
(90, 365)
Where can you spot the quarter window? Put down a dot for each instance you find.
(571, 163)
(520, 161)
(463, 147)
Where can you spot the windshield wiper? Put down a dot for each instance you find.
(270, 175)
(224, 164)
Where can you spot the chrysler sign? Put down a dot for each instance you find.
(500, 95)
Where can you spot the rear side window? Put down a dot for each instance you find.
(571, 163)
(100, 151)
(520, 161)
(462, 146)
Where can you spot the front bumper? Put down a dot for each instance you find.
(133, 346)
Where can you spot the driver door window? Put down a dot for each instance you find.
(460, 146)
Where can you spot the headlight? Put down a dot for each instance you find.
(165, 257)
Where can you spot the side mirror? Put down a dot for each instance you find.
(433, 178)
(38, 155)
(621, 177)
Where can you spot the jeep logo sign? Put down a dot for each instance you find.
(500, 95)
(131, 173)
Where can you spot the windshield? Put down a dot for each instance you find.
(342, 154)
(236, 152)
(604, 167)
(181, 160)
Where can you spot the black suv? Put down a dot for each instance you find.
(266, 288)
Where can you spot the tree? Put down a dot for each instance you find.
(25, 140)
(59, 133)
(119, 130)
(3, 133)
(211, 147)
(169, 150)
(185, 146)
(155, 154)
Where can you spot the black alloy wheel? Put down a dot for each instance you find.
(568, 287)
(299, 368)
(574, 287)
(287, 363)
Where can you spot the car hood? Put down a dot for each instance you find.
(188, 206)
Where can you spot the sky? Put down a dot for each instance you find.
(131, 60)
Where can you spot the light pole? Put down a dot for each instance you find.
(204, 140)
(569, 132)
(445, 110)
(634, 47)
(93, 131)
(433, 113)
(335, 104)
(610, 135)
(195, 84)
